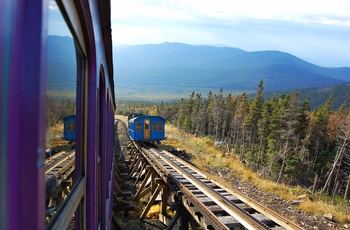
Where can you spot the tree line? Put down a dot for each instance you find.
(57, 109)
(280, 138)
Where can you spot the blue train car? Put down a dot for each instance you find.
(146, 128)
(69, 128)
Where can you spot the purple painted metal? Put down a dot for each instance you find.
(103, 146)
(80, 146)
(23, 49)
(97, 123)
(22, 117)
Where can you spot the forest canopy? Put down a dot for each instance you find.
(280, 138)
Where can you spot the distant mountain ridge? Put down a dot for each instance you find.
(318, 96)
(222, 67)
(174, 70)
(61, 64)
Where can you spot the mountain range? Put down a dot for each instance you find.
(176, 69)
(220, 67)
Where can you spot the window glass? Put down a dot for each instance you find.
(138, 126)
(154, 126)
(70, 126)
(160, 126)
(146, 124)
(60, 103)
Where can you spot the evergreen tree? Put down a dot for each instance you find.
(253, 119)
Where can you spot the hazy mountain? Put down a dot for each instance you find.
(174, 70)
(219, 67)
(318, 96)
(61, 71)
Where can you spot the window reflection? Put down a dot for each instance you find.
(60, 104)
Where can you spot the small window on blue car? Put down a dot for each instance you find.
(138, 126)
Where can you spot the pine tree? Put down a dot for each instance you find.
(253, 119)
(238, 125)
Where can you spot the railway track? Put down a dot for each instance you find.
(211, 203)
(60, 165)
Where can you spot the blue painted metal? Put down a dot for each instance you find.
(69, 128)
(137, 128)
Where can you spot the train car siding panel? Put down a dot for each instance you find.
(69, 123)
(22, 101)
(146, 128)
(22, 115)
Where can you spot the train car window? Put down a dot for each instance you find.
(146, 124)
(70, 126)
(61, 91)
(160, 126)
(154, 126)
(138, 126)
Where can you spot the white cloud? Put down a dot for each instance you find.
(295, 26)
(53, 5)
(137, 9)
(330, 11)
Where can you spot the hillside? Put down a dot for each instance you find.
(170, 71)
(340, 93)
(61, 75)
(232, 69)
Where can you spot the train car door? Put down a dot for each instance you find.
(147, 131)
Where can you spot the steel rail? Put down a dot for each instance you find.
(168, 176)
(51, 158)
(59, 160)
(282, 221)
(57, 155)
(232, 209)
(65, 171)
(210, 216)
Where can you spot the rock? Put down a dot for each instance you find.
(303, 197)
(293, 202)
(346, 226)
(328, 216)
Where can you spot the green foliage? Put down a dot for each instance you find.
(127, 107)
(317, 96)
(281, 138)
(58, 109)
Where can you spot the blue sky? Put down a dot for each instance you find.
(317, 31)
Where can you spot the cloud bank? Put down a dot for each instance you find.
(315, 30)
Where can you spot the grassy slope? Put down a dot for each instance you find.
(54, 138)
(205, 156)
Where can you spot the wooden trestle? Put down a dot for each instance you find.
(150, 179)
(197, 201)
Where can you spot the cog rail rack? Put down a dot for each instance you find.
(60, 165)
(211, 204)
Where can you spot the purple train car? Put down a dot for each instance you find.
(23, 78)
(146, 128)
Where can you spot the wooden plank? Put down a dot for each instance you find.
(151, 201)
(64, 217)
(229, 221)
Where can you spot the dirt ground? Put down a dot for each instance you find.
(279, 205)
